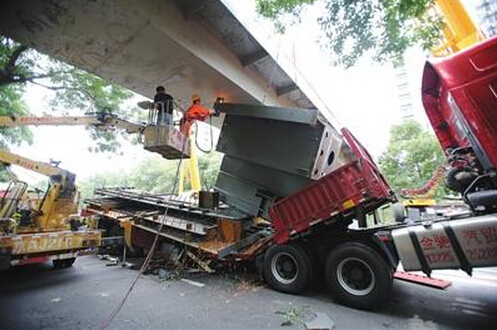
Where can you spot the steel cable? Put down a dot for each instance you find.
(105, 322)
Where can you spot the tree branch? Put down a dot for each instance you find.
(6, 80)
(57, 88)
(9, 68)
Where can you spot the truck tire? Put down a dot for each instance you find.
(287, 268)
(459, 184)
(63, 263)
(358, 276)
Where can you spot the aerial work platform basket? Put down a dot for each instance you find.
(167, 141)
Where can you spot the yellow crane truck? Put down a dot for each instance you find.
(38, 229)
(48, 228)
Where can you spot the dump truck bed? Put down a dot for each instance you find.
(355, 187)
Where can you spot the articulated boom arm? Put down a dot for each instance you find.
(101, 120)
(56, 175)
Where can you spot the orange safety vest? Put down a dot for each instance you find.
(194, 112)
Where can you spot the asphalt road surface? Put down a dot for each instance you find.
(39, 297)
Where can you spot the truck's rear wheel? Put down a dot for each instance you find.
(287, 268)
(63, 263)
(358, 275)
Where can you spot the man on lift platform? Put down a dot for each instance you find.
(163, 102)
(194, 112)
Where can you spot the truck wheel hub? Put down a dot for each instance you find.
(355, 276)
(284, 268)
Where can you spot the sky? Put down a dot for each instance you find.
(363, 99)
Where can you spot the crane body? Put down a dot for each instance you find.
(37, 229)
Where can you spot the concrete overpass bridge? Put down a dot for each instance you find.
(190, 46)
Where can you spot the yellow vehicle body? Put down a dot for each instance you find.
(419, 202)
(41, 229)
(54, 212)
(24, 245)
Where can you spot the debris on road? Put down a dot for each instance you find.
(130, 265)
(166, 267)
(320, 322)
(294, 315)
(113, 261)
(194, 283)
(247, 285)
(204, 265)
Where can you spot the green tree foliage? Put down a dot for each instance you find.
(77, 89)
(154, 175)
(356, 27)
(11, 104)
(73, 89)
(412, 156)
(12, 67)
(208, 165)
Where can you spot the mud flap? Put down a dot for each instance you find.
(5, 254)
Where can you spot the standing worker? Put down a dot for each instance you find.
(163, 102)
(194, 112)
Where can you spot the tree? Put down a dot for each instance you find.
(356, 27)
(208, 165)
(72, 89)
(153, 174)
(412, 156)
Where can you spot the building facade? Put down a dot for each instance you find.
(486, 12)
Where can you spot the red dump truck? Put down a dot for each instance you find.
(292, 188)
(460, 97)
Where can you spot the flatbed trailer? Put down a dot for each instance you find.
(221, 234)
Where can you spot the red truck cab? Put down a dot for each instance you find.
(459, 94)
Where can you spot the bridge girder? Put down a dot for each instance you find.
(188, 46)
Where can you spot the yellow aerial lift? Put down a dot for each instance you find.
(43, 232)
(190, 170)
(42, 229)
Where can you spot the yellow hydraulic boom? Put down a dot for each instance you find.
(190, 170)
(460, 31)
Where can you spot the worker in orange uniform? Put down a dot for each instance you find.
(194, 112)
